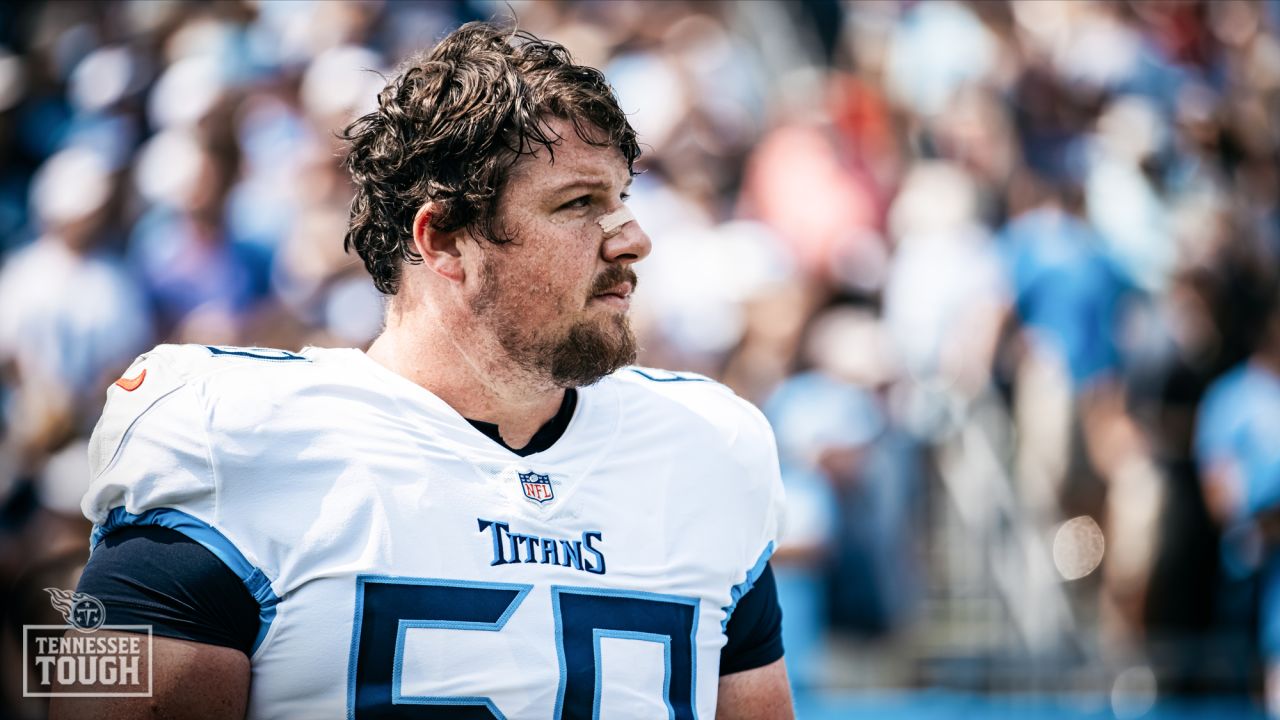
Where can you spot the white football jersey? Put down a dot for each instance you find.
(406, 565)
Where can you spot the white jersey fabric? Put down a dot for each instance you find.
(406, 565)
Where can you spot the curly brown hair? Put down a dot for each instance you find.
(450, 125)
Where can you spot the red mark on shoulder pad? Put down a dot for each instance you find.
(131, 384)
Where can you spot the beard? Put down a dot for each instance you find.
(579, 355)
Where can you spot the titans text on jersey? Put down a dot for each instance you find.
(518, 547)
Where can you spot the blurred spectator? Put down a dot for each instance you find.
(944, 324)
(72, 314)
(1067, 291)
(853, 490)
(1237, 428)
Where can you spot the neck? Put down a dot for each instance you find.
(464, 367)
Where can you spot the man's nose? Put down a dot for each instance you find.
(630, 245)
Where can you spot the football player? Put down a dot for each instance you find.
(491, 513)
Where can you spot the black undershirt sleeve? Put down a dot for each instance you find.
(755, 628)
(150, 575)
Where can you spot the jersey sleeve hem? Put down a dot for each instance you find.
(255, 581)
(738, 591)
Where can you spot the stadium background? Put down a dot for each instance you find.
(980, 263)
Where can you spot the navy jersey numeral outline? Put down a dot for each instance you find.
(622, 614)
(583, 616)
(469, 606)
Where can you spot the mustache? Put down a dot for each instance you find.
(613, 276)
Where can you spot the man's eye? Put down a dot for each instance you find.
(578, 202)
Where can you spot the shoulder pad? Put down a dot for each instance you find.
(714, 402)
(230, 352)
(665, 376)
(155, 375)
(681, 386)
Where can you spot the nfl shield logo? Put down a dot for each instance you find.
(537, 487)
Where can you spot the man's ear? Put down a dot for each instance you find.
(439, 249)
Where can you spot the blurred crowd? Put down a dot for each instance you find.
(1005, 276)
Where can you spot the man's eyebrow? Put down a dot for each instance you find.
(587, 184)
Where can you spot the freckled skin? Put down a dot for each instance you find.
(539, 287)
